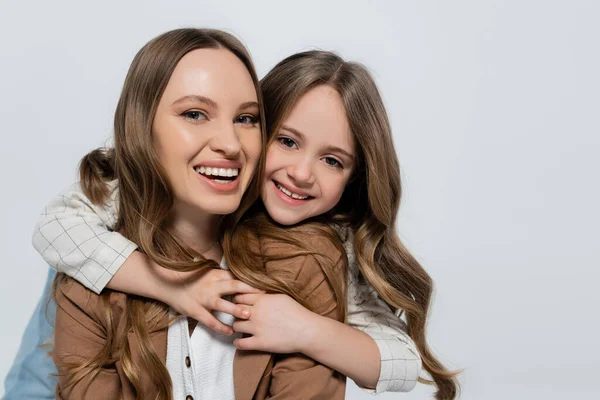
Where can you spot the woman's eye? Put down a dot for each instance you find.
(287, 142)
(195, 115)
(246, 119)
(333, 162)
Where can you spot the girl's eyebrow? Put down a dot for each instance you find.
(294, 131)
(331, 149)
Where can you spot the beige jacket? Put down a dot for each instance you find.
(79, 336)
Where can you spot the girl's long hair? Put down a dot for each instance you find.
(371, 199)
(145, 198)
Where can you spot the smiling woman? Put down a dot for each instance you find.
(209, 117)
(190, 100)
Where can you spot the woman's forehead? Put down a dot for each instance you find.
(216, 74)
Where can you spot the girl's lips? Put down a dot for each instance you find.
(287, 199)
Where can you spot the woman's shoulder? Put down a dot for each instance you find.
(71, 295)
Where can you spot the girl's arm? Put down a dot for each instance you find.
(374, 351)
(400, 362)
(279, 324)
(295, 375)
(76, 237)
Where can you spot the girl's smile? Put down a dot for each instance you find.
(310, 159)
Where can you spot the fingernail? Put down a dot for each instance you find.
(246, 313)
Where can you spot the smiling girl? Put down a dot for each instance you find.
(330, 159)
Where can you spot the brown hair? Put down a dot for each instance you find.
(371, 199)
(146, 197)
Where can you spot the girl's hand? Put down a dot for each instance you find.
(196, 294)
(278, 324)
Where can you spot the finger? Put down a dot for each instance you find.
(247, 299)
(247, 343)
(234, 286)
(243, 326)
(209, 320)
(238, 311)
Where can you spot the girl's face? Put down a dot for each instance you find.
(310, 160)
(206, 132)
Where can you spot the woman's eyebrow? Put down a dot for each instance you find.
(197, 98)
(247, 105)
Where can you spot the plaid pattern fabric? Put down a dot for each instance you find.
(75, 236)
(400, 360)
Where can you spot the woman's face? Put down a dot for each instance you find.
(206, 132)
(310, 159)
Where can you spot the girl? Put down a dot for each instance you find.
(190, 103)
(350, 178)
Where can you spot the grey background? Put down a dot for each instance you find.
(494, 107)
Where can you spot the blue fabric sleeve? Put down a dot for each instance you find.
(31, 375)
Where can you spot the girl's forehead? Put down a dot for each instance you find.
(319, 116)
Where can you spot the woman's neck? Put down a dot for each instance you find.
(195, 229)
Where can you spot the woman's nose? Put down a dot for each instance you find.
(226, 141)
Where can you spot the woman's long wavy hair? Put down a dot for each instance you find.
(371, 199)
(145, 198)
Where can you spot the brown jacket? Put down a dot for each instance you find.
(79, 336)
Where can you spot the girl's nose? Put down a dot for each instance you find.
(302, 173)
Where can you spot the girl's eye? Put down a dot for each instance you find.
(287, 142)
(246, 119)
(333, 162)
(195, 115)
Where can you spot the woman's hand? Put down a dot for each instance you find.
(277, 323)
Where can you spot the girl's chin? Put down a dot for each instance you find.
(284, 217)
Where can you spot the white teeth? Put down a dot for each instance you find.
(290, 194)
(225, 172)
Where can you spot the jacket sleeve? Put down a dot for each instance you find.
(400, 359)
(75, 236)
(296, 376)
(79, 336)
